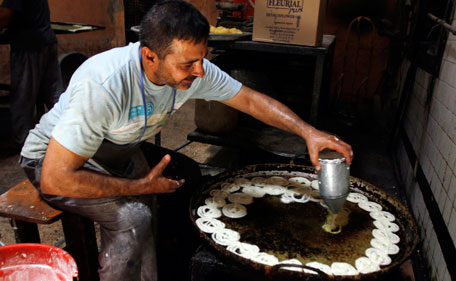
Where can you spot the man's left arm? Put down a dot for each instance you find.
(274, 113)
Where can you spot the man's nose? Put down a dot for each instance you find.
(198, 69)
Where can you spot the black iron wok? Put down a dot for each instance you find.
(408, 229)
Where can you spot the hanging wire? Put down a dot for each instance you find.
(363, 83)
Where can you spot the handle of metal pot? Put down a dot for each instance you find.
(321, 274)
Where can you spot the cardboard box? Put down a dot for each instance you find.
(297, 22)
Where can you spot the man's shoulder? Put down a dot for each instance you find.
(208, 64)
(117, 54)
(107, 65)
(213, 73)
(210, 69)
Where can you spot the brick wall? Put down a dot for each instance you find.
(429, 124)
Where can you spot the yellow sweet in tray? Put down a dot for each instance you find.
(222, 29)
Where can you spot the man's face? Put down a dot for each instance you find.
(179, 68)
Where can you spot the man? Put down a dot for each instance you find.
(35, 72)
(84, 154)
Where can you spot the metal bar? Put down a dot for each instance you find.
(316, 91)
(25, 232)
(443, 23)
(158, 139)
(327, 41)
(179, 147)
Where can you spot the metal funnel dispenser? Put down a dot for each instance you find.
(333, 179)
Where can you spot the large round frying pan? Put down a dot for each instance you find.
(341, 246)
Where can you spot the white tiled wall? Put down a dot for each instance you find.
(431, 128)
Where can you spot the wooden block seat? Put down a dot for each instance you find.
(22, 202)
(24, 206)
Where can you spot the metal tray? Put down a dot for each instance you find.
(228, 36)
(214, 36)
(72, 27)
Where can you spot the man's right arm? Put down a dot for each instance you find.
(63, 174)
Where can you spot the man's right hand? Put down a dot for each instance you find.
(157, 182)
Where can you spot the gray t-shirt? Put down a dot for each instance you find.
(103, 101)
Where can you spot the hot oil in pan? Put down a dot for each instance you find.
(295, 231)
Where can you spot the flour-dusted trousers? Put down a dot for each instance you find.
(128, 246)
(36, 80)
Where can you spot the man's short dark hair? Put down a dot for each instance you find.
(169, 20)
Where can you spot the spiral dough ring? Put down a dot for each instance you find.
(207, 211)
(343, 268)
(381, 224)
(240, 198)
(209, 225)
(245, 250)
(355, 197)
(369, 206)
(234, 210)
(276, 180)
(230, 187)
(254, 191)
(321, 266)
(366, 265)
(225, 236)
(299, 181)
(378, 256)
(217, 202)
(265, 258)
(218, 193)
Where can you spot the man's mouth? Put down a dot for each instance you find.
(190, 79)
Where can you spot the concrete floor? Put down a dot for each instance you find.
(372, 163)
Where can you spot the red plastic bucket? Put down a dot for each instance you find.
(36, 262)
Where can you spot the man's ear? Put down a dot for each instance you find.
(149, 58)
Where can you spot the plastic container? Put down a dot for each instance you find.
(36, 262)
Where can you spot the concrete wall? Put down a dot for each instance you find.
(429, 126)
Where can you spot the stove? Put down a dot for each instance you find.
(206, 265)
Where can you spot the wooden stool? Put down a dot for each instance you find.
(24, 206)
